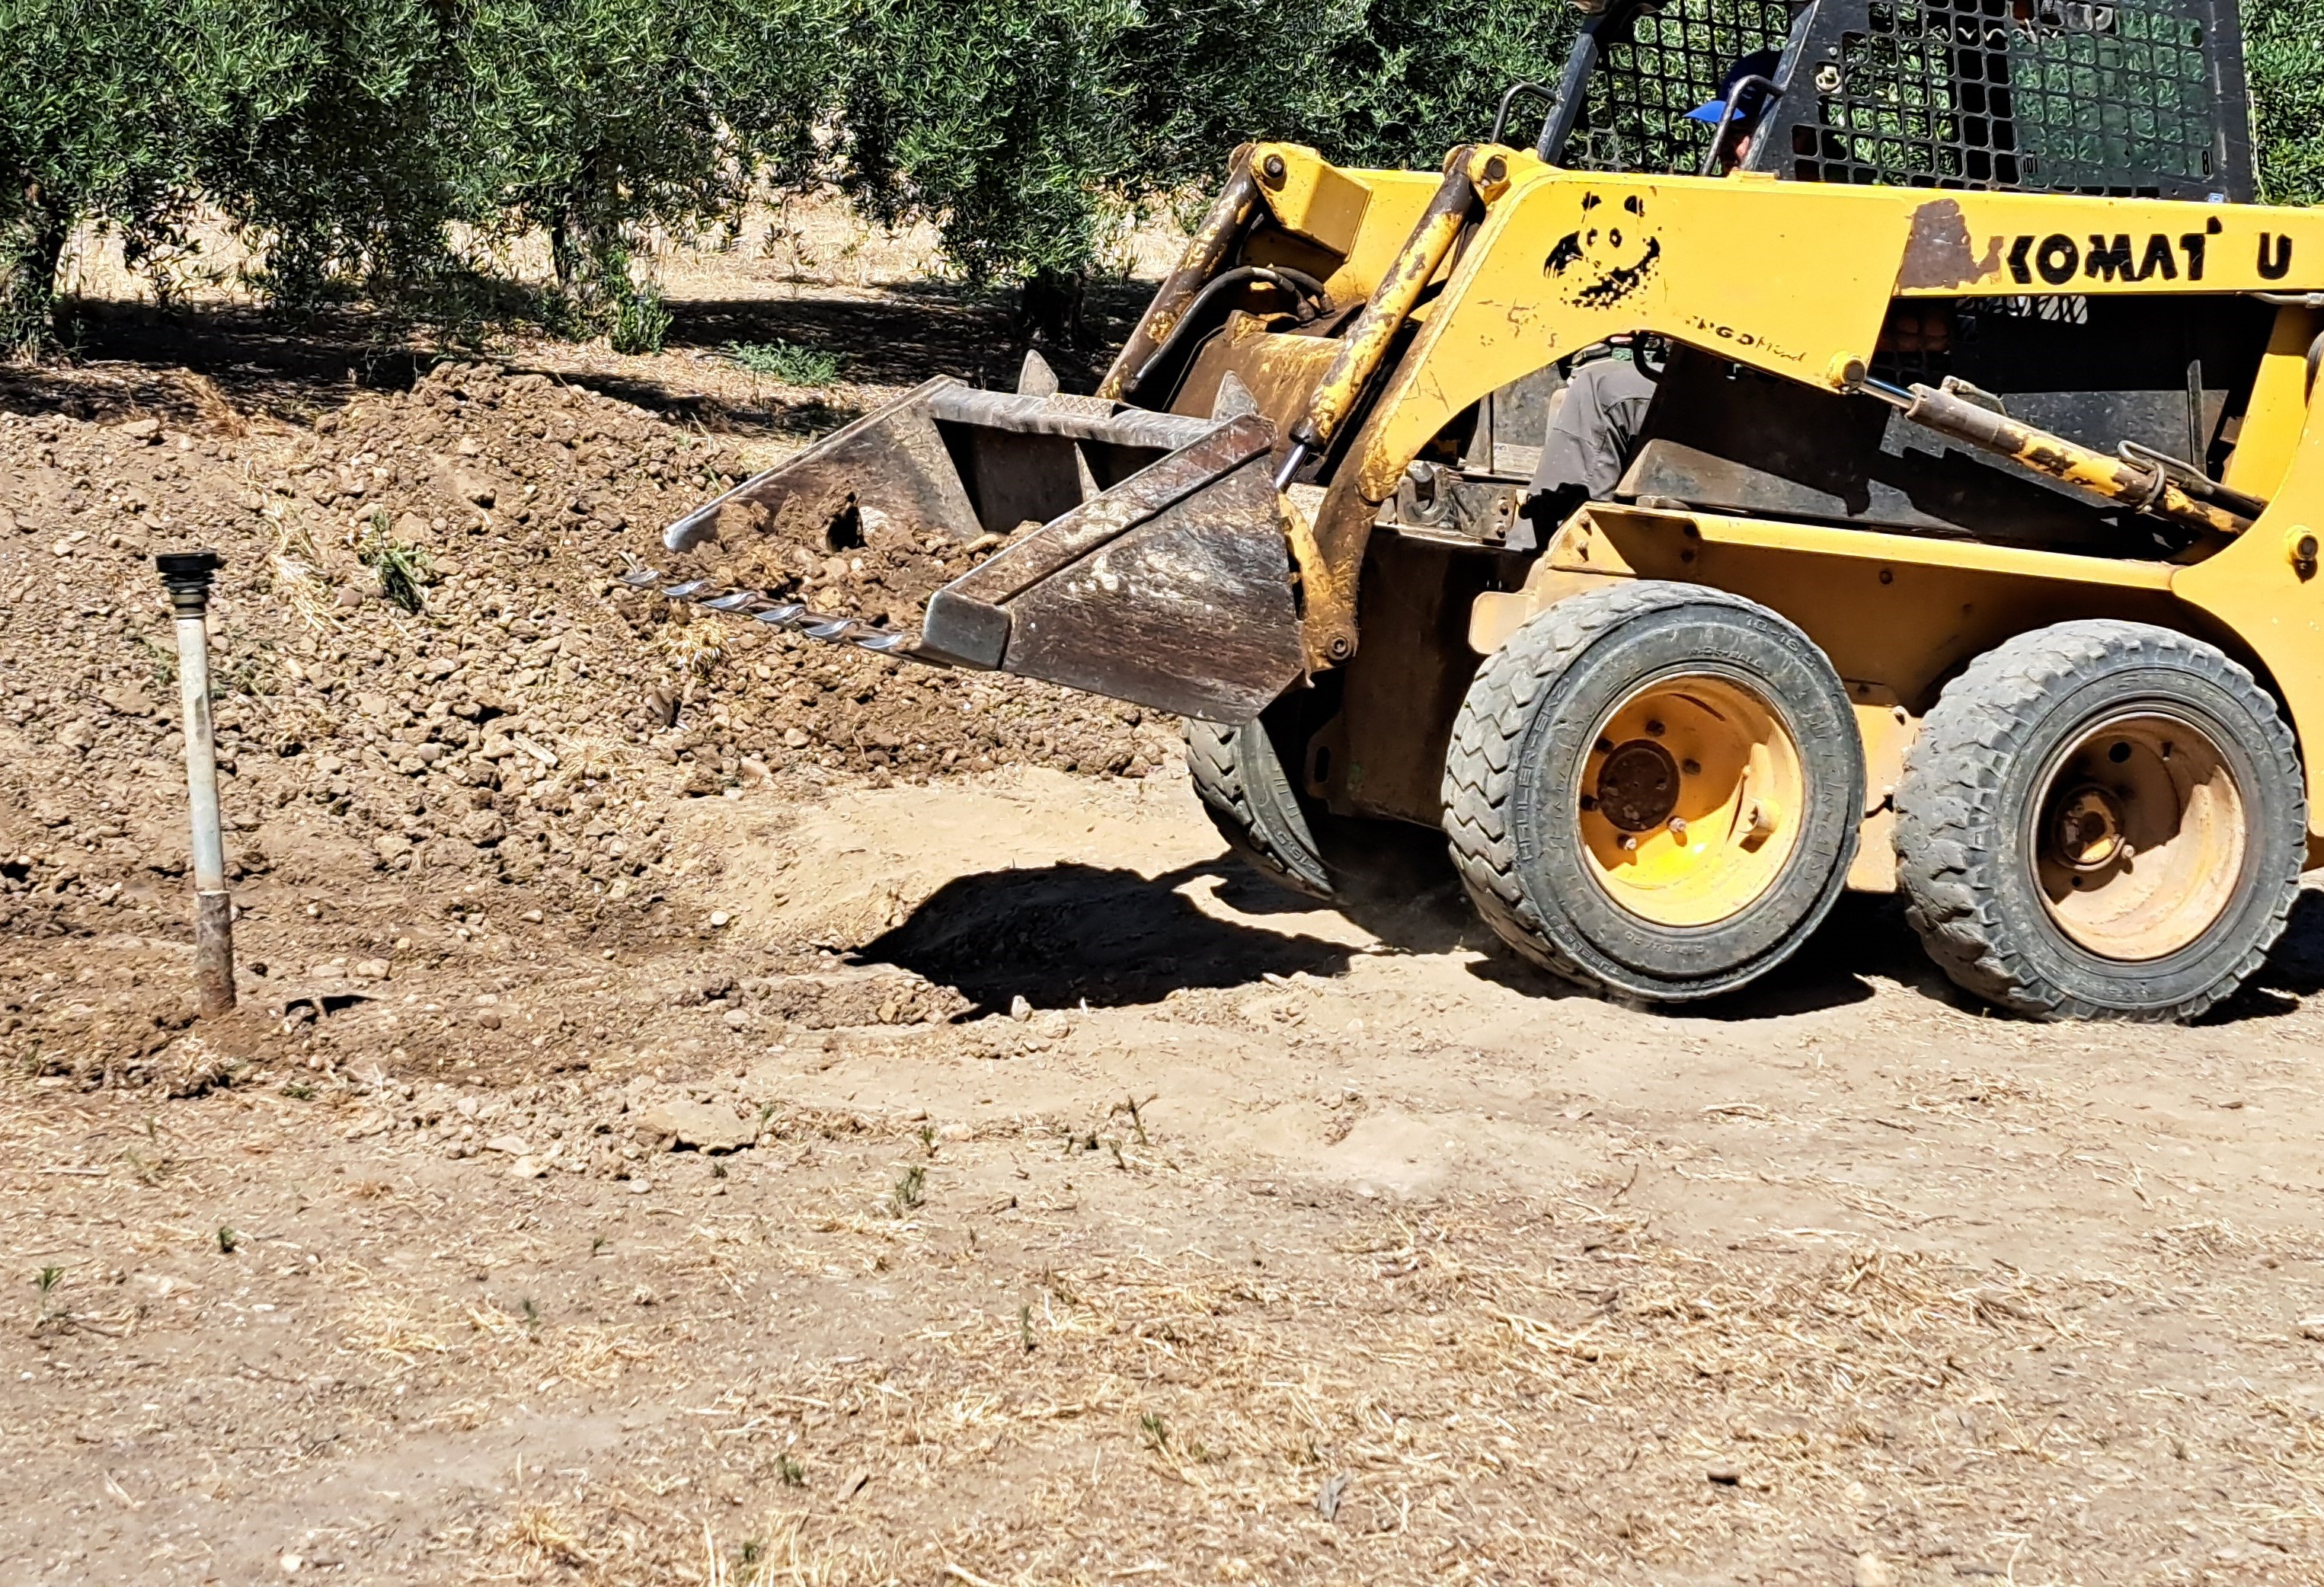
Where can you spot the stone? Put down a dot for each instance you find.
(148, 430)
(528, 1167)
(370, 970)
(394, 846)
(514, 1145)
(1872, 1571)
(1020, 1009)
(703, 1125)
(483, 828)
(76, 737)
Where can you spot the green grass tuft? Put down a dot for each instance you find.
(791, 365)
(909, 1191)
(401, 568)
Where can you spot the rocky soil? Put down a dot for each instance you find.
(688, 1122)
(432, 688)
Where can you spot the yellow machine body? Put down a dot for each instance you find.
(1795, 280)
(1294, 513)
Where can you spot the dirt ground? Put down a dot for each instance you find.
(711, 1108)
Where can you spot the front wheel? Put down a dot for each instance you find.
(1654, 790)
(2101, 820)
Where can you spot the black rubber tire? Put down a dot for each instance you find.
(1963, 843)
(1511, 786)
(1240, 777)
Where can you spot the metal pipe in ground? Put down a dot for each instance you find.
(186, 575)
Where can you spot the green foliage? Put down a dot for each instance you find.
(308, 121)
(1029, 130)
(401, 568)
(596, 120)
(1007, 122)
(355, 141)
(106, 112)
(2283, 52)
(342, 179)
(782, 360)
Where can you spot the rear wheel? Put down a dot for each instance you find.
(1239, 774)
(1654, 790)
(2102, 821)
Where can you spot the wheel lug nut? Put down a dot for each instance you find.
(1692, 768)
(1654, 729)
(1678, 826)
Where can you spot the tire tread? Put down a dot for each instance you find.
(1480, 768)
(1953, 776)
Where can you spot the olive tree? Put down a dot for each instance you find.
(2283, 52)
(589, 120)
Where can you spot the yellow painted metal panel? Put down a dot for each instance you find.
(1794, 278)
(1311, 205)
(1566, 259)
(1894, 612)
(2273, 598)
(2278, 408)
(1313, 198)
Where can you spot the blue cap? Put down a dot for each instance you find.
(1753, 101)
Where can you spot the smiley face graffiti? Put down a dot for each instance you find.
(1607, 258)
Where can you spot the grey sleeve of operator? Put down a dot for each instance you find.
(1592, 431)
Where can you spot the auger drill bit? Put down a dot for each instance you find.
(793, 615)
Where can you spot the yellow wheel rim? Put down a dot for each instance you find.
(1692, 799)
(2139, 836)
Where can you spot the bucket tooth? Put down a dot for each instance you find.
(1035, 378)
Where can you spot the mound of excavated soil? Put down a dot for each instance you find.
(425, 669)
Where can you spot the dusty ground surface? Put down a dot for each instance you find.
(863, 1129)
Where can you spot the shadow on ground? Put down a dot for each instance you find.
(1831, 970)
(1059, 934)
(2294, 970)
(181, 363)
(1063, 933)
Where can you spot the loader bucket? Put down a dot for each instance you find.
(1152, 566)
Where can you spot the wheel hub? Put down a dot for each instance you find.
(1637, 787)
(2139, 836)
(2089, 836)
(1690, 796)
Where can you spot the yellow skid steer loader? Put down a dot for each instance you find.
(1968, 545)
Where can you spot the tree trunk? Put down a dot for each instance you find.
(31, 250)
(1049, 309)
